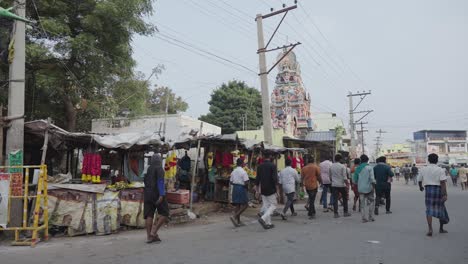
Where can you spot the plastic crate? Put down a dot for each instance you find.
(178, 197)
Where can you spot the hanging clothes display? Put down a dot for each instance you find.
(91, 169)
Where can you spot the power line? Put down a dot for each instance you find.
(331, 45)
(208, 53)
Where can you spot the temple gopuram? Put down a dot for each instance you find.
(290, 103)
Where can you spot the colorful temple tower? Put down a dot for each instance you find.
(290, 103)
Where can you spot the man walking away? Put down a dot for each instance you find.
(414, 174)
(288, 177)
(310, 178)
(154, 199)
(266, 182)
(326, 183)
(239, 181)
(397, 173)
(406, 173)
(364, 177)
(454, 175)
(338, 177)
(383, 176)
(354, 185)
(463, 174)
(435, 183)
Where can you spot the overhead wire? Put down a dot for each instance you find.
(308, 16)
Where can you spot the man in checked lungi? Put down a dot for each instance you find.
(434, 180)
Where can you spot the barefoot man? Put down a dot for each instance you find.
(434, 180)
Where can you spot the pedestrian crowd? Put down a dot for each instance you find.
(371, 185)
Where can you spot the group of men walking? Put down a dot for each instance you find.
(371, 186)
(459, 174)
(333, 177)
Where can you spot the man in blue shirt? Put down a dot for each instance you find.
(454, 175)
(154, 199)
(383, 176)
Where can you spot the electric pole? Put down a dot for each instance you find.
(361, 132)
(15, 132)
(352, 123)
(378, 143)
(262, 50)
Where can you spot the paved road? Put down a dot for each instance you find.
(400, 239)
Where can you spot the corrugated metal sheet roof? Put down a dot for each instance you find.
(321, 136)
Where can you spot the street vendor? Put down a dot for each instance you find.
(154, 199)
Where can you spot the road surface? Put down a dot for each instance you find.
(396, 238)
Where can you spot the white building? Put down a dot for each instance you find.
(178, 127)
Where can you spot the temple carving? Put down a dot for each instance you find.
(290, 103)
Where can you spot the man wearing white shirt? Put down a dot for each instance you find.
(239, 181)
(288, 177)
(434, 180)
(326, 183)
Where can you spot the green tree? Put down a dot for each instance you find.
(86, 52)
(231, 103)
(157, 101)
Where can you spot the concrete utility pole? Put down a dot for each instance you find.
(352, 127)
(361, 132)
(352, 123)
(262, 50)
(15, 132)
(378, 144)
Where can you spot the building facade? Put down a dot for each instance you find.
(450, 145)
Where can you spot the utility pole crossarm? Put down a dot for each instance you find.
(284, 55)
(278, 12)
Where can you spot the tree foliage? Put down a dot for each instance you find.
(73, 67)
(157, 101)
(232, 102)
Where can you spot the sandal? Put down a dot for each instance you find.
(429, 234)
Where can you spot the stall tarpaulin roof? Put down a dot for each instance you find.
(128, 140)
(57, 136)
(281, 150)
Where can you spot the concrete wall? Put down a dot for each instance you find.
(177, 127)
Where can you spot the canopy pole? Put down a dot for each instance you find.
(195, 167)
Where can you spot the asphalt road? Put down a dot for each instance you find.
(396, 238)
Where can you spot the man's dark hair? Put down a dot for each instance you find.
(267, 155)
(357, 161)
(288, 162)
(338, 158)
(239, 162)
(433, 158)
(364, 158)
(382, 159)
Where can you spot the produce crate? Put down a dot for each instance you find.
(178, 197)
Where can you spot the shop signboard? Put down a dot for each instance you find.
(16, 159)
(457, 148)
(4, 193)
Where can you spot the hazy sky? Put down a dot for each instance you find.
(413, 55)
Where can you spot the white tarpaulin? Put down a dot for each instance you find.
(127, 140)
(4, 193)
